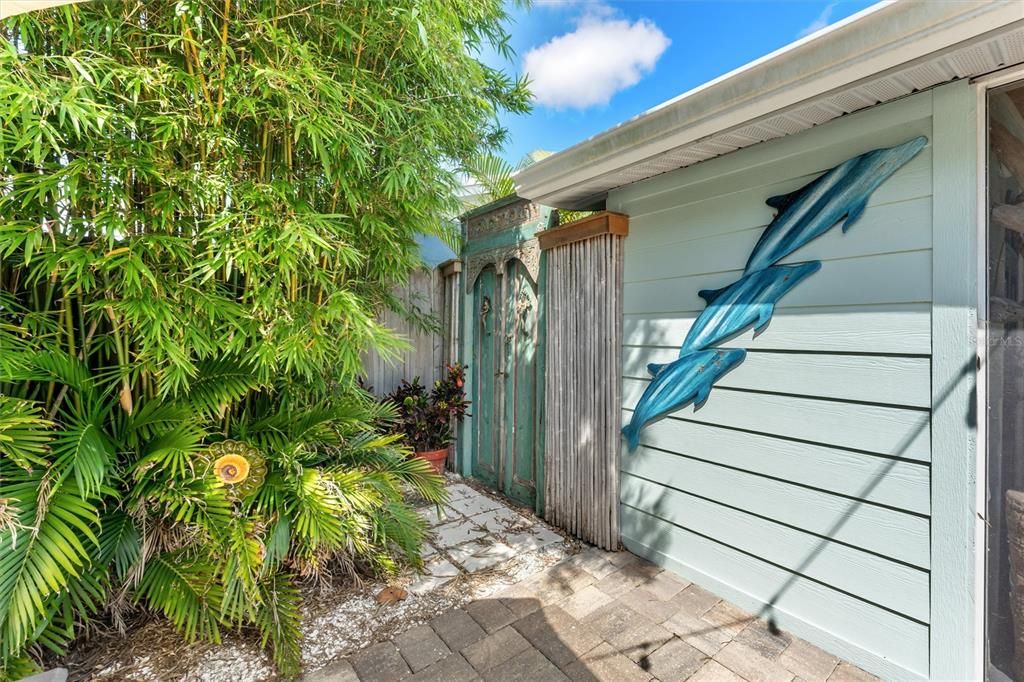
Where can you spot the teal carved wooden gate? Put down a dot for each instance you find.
(501, 443)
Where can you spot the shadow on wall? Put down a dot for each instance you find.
(655, 536)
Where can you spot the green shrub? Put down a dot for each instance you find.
(204, 205)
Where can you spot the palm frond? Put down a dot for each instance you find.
(185, 589)
(17, 667)
(172, 453)
(279, 621)
(278, 542)
(400, 526)
(24, 433)
(381, 454)
(42, 554)
(241, 572)
(83, 448)
(120, 543)
(217, 384)
(494, 175)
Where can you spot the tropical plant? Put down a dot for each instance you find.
(490, 177)
(204, 206)
(427, 420)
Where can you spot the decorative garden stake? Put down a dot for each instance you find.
(239, 466)
(839, 194)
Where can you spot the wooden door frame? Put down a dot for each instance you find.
(508, 231)
(981, 87)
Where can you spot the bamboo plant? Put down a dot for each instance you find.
(204, 205)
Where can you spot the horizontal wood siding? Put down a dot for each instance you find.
(801, 489)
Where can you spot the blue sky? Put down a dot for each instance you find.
(596, 63)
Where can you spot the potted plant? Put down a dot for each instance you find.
(428, 419)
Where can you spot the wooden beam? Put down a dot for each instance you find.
(450, 267)
(605, 222)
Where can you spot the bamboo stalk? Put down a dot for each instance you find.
(583, 385)
(223, 58)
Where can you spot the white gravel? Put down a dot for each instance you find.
(336, 623)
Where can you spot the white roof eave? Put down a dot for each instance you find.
(876, 55)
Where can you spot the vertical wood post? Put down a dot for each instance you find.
(954, 357)
(583, 380)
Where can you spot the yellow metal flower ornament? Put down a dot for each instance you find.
(239, 466)
(231, 468)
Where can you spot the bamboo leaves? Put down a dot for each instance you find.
(204, 207)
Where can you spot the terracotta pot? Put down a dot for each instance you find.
(435, 457)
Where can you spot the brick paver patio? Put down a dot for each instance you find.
(595, 616)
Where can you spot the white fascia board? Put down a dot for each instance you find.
(879, 39)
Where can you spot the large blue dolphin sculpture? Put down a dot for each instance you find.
(809, 212)
(681, 381)
(814, 209)
(749, 301)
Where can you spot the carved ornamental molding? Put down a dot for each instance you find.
(493, 222)
(528, 253)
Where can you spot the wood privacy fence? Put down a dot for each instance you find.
(583, 385)
(433, 292)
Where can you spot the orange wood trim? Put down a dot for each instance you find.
(596, 225)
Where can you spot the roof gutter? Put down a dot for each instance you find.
(882, 37)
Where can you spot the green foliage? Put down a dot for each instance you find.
(428, 420)
(204, 207)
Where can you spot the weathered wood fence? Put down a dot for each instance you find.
(434, 292)
(583, 385)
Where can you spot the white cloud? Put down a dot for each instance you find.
(820, 22)
(587, 66)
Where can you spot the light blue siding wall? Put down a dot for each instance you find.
(802, 490)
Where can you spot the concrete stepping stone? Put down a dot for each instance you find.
(470, 505)
(436, 572)
(434, 517)
(476, 557)
(456, 533)
(536, 537)
(457, 491)
(501, 521)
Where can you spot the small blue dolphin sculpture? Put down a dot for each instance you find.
(688, 379)
(748, 301)
(814, 209)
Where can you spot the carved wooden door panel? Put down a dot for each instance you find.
(486, 368)
(504, 398)
(519, 456)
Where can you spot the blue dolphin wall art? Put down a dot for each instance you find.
(748, 301)
(680, 382)
(814, 209)
(840, 194)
